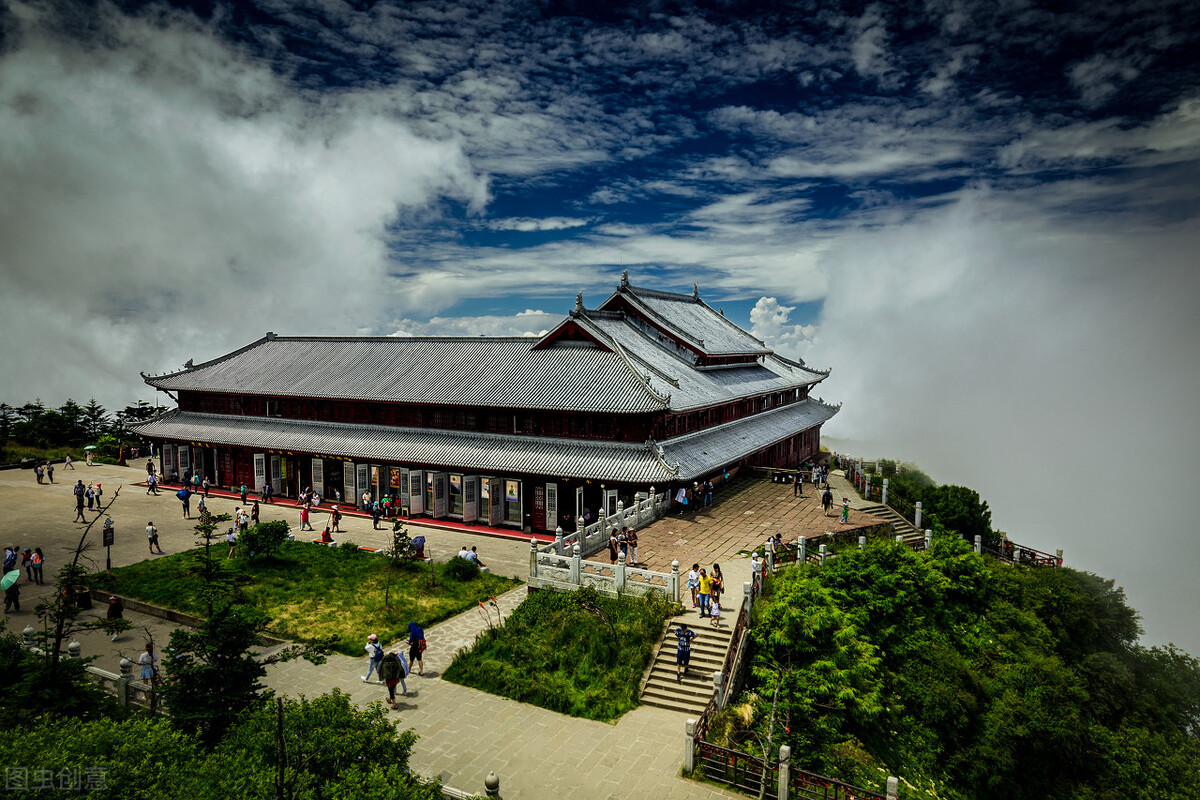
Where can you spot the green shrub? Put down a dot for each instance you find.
(462, 569)
(264, 539)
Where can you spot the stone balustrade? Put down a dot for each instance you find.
(549, 570)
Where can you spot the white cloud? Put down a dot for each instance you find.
(525, 323)
(769, 321)
(530, 224)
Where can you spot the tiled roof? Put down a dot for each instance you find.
(469, 371)
(693, 320)
(478, 452)
(697, 454)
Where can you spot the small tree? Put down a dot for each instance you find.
(264, 539)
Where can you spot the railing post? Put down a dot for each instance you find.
(917, 521)
(893, 788)
(124, 681)
(770, 559)
(824, 553)
(533, 554)
(675, 580)
(620, 572)
(1058, 555)
(785, 768)
(581, 532)
(899, 540)
(654, 502)
(928, 538)
(978, 543)
(491, 785)
(862, 542)
(718, 689)
(73, 649)
(29, 632)
(885, 490)
(638, 500)
(558, 543)
(802, 549)
(575, 565)
(689, 745)
(748, 593)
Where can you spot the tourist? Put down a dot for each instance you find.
(244, 491)
(304, 524)
(37, 472)
(89, 458)
(27, 564)
(99, 496)
(633, 543)
(254, 513)
(366, 501)
(79, 491)
(705, 592)
(755, 566)
(91, 496)
(463, 552)
(185, 497)
(196, 483)
(151, 484)
(202, 506)
(335, 517)
(827, 500)
(149, 467)
(375, 515)
(612, 545)
(152, 537)
(683, 654)
(715, 613)
(718, 583)
(10, 558)
(12, 598)
(268, 492)
(846, 509)
(681, 500)
(798, 484)
(391, 669)
(474, 556)
(116, 610)
(708, 493)
(374, 657)
(326, 538)
(623, 543)
(68, 463)
(149, 672)
(243, 520)
(231, 539)
(205, 485)
(416, 647)
(693, 582)
(50, 470)
(38, 561)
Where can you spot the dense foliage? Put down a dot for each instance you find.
(33, 427)
(970, 678)
(321, 748)
(579, 653)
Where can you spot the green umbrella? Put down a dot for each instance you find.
(90, 447)
(10, 578)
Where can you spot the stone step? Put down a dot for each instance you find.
(693, 685)
(675, 702)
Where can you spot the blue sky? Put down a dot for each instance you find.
(982, 215)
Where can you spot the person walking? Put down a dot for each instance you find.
(152, 537)
(623, 543)
(27, 564)
(708, 493)
(845, 509)
(254, 513)
(116, 610)
(798, 484)
(205, 485)
(335, 517)
(392, 670)
(99, 497)
(268, 493)
(151, 484)
(243, 491)
(715, 613)
(231, 538)
(718, 584)
(12, 598)
(304, 524)
(38, 472)
(826, 500)
(89, 458)
(79, 491)
(91, 496)
(375, 515)
(185, 497)
(633, 543)
(705, 592)
(612, 545)
(68, 464)
(146, 661)
(693, 582)
(374, 657)
(683, 652)
(416, 647)
(50, 470)
(38, 560)
(201, 506)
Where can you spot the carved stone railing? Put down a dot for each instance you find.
(549, 570)
(592, 538)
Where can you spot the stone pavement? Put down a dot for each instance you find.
(464, 733)
(739, 522)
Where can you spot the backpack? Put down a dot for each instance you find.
(182, 494)
(389, 668)
(376, 651)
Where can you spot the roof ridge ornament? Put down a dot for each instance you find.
(624, 279)
(579, 303)
(695, 291)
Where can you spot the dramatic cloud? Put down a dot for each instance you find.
(526, 323)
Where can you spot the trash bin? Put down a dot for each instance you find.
(83, 598)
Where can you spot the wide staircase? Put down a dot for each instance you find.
(708, 656)
(900, 526)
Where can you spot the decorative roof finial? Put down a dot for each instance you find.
(695, 291)
(189, 364)
(624, 279)
(579, 303)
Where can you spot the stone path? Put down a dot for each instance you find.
(743, 517)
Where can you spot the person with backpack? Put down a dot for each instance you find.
(416, 647)
(335, 516)
(375, 515)
(244, 491)
(38, 561)
(185, 497)
(374, 657)
(392, 669)
(827, 500)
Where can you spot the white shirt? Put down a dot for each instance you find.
(151, 531)
(465, 553)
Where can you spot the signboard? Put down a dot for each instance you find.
(416, 491)
(495, 502)
(470, 498)
(108, 536)
(318, 476)
(512, 491)
(349, 487)
(551, 506)
(441, 499)
(539, 507)
(260, 471)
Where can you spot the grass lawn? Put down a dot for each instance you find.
(313, 591)
(579, 653)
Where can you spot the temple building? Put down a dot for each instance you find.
(648, 389)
